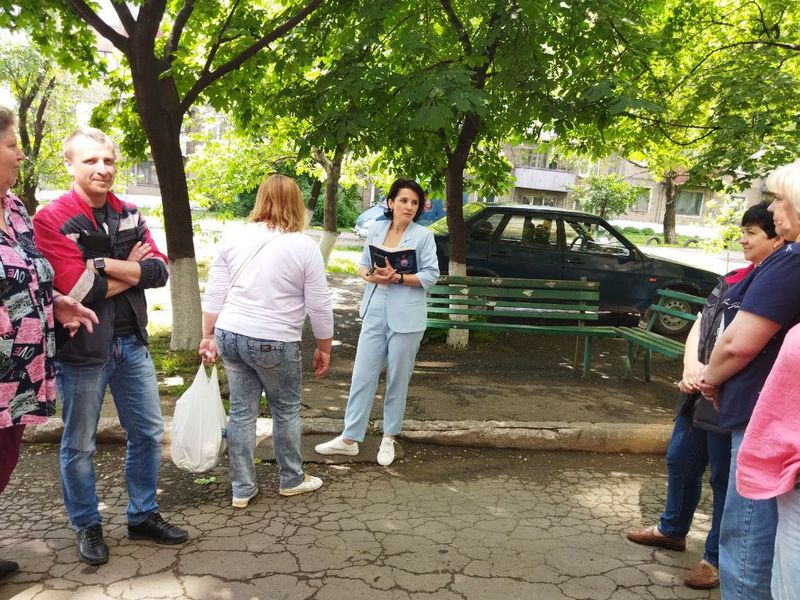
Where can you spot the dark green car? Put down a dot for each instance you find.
(538, 242)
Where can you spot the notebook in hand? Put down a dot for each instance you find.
(402, 260)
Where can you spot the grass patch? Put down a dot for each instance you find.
(172, 363)
(344, 265)
(202, 269)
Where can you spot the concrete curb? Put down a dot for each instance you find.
(632, 438)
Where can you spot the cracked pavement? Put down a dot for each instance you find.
(439, 524)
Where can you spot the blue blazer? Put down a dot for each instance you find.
(406, 305)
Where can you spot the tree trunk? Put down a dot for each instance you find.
(158, 108)
(670, 194)
(330, 231)
(454, 192)
(313, 199)
(28, 196)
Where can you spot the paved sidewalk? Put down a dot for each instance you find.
(440, 524)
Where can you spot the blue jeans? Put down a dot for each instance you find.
(747, 541)
(130, 374)
(690, 450)
(786, 567)
(379, 346)
(252, 366)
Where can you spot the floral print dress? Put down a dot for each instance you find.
(27, 338)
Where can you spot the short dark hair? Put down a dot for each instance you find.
(760, 216)
(405, 184)
(6, 119)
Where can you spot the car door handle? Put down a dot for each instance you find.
(502, 253)
(575, 259)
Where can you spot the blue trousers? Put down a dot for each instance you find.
(690, 450)
(254, 365)
(747, 540)
(378, 345)
(132, 378)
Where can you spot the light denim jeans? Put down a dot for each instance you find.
(786, 567)
(254, 365)
(747, 540)
(379, 346)
(131, 376)
(690, 450)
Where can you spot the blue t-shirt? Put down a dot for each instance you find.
(771, 291)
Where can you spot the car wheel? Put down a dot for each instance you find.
(653, 241)
(671, 325)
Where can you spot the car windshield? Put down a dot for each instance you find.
(470, 210)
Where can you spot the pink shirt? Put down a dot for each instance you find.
(769, 457)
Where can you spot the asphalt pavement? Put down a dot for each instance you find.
(439, 524)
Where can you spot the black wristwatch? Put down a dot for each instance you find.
(100, 265)
(400, 281)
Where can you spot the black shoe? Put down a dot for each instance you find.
(8, 567)
(91, 546)
(156, 529)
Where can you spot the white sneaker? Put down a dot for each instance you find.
(243, 502)
(337, 446)
(386, 452)
(309, 485)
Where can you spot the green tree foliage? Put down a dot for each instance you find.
(45, 99)
(713, 99)
(178, 53)
(605, 195)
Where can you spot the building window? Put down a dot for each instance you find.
(689, 203)
(538, 199)
(531, 158)
(146, 173)
(642, 202)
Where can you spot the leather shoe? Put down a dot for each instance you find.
(703, 577)
(156, 529)
(651, 536)
(8, 567)
(91, 546)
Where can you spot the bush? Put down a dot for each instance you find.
(348, 207)
(647, 231)
(630, 230)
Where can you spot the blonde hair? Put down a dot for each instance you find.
(86, 132)
(785, 181)
(279, 204)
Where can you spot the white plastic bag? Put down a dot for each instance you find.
(198, 424)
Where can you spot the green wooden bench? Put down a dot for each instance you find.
(648, 340)
(530, 306)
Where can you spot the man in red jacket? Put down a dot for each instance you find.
(103, 256)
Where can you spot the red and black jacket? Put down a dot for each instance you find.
(60, 229)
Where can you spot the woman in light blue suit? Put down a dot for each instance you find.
(394, 315)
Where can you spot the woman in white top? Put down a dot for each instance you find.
(261, 285)
(395, 315)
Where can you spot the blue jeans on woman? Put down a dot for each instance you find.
(254, 365)
(131, 376)
(690, 450)
(747, 540)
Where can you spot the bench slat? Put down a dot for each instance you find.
(665, 293)
(577, 330)
(521, 314)
(675, 313)
(513, 282)
(447, 301)
(489, 292)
